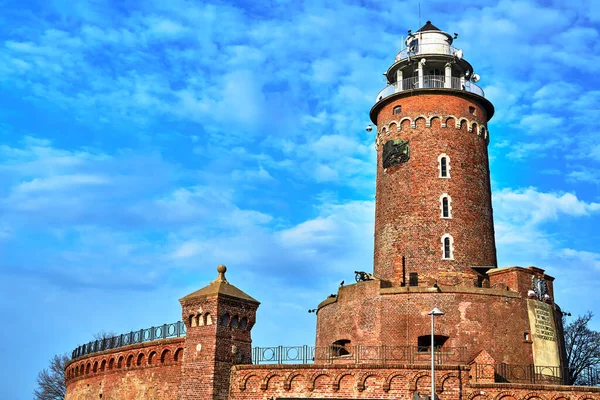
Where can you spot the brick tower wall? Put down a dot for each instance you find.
(475, 318)
(408, 215)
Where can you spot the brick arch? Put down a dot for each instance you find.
(478, 396)
(177, 356)
(388, 380)
(559, 397)
(165, 356)
(534, 396)
(505, 394)
(393, 126)
(111, 363)
(152, 358)
(441, 381)
(140, 359)
(287, 383)
(433, 118)
(88, 367)
(313, 378)
(446, 119)
(459, 123)
(120, 362)
(423, 117)
(473, 126)
(585, 397)
(103, 365)
(265, 383)
(244, 380)
(129, 361)
(95, 367)
(362, 378)
(192, 320)
(415, 379)
(405, 119)
(338, 378)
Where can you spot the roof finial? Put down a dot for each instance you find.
(221, 269)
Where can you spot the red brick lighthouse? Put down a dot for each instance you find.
(434, 230)
(433, 219)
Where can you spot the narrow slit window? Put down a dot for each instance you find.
(445, 208)
(447, 247)
(444, 167)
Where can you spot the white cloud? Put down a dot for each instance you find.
(529, 206)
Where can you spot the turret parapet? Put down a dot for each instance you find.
(445, 121)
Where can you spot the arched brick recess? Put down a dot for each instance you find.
(287, 384)
(534, 396)
(312, 384)
(388, 380)
(338, 378)
(450, 384)
(265, 383)
(560, 397)
(506, 396)
(477, 396)
(245, 379)
(416, 378)
(360, 381)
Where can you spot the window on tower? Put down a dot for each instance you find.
(397, 109)
(445, 206)
(444, 166)
(447, 247)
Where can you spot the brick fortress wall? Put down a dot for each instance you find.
(150, 370)
(408, 214)
(398, 382)
(372, 314)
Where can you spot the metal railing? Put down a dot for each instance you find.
(428, 48)
(429, 82)
(357, 355)
(176, 329)
(527, 373)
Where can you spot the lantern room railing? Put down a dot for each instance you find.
(430, 82)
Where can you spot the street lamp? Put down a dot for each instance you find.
(433, 313)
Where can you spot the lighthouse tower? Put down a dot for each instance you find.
(433, 221)
(434, 231)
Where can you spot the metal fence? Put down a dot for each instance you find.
(176, 329)
(357, 355)
(429, 82)
(526, 373)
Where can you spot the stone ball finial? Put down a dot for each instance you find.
(221, 269)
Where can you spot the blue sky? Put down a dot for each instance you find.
(144, 143)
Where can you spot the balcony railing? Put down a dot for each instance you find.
(428, 48)
(176, 329)
(357, 355)
(429, 82)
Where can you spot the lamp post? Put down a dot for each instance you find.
(433, 313)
